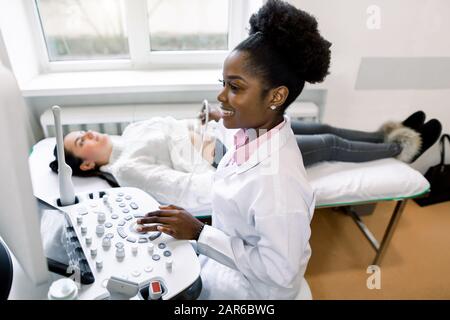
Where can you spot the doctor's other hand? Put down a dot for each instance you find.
(174, 221)
(214, 114)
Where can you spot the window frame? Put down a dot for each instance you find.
(141, 58)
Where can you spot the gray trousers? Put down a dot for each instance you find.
(320, 142)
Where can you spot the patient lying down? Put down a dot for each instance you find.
(155, 155)
(159, 155)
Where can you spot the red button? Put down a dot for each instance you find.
(156, 287)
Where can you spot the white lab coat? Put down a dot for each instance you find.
(258, 244)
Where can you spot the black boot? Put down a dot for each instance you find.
(415, 121)
(430, 133)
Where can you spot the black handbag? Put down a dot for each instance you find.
(439, 178)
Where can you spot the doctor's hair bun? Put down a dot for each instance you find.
(294, 35)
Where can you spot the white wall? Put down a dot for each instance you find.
(20, 58)
(409, 28)
(4, 59)
(18, 39)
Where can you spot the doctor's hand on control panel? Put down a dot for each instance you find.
(172, 220)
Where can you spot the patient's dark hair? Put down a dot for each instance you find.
(285, 48)
(75, 162)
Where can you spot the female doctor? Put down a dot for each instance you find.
(258, 244)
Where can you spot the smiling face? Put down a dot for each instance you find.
(92, 147)
(245, 102)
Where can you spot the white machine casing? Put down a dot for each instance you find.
(138, 267)
(18, 209)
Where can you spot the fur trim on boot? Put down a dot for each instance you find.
(390, 126)
(409, 140)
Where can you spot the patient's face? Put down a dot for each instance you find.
(242, 99)
(89, 145)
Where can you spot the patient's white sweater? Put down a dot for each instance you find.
(157, 156)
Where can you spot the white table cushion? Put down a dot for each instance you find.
(341, 183)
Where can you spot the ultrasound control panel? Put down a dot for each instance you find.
(105, 223)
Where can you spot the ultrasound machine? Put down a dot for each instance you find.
(90, 237)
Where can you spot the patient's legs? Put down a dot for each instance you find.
(307, 128)
(329, 147)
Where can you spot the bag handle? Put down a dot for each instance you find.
(442, 145)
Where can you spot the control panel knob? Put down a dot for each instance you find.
(134, 250)
(93, 252)
(120, 253)
(88, 241)
(169, 264)
(83, 230)
(106, 243)
(100, 230)
(101, 217)
(99, 264)
(79, 220)
(150, 248)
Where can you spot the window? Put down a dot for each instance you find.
(83, 29)
(188, 25)
(138, 34)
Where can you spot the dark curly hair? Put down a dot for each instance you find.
(75, 163)
(285, 48)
